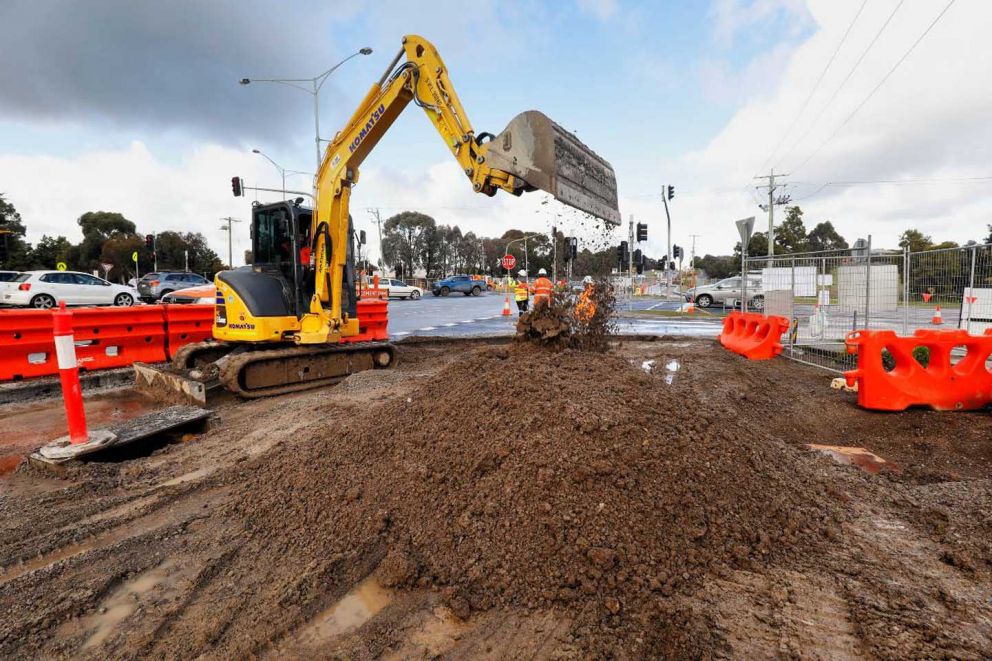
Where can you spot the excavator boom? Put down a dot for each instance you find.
(292, 320)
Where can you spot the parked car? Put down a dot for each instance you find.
(720, 293)
(154, 286)
(199, 295)
(460, 283)
(44, 289)
(7, 276)
(399, 289)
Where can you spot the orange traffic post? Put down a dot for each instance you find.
(72, 393)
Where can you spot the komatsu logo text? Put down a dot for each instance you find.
(376, 115)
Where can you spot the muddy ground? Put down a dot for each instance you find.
(504, 501)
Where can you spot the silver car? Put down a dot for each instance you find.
(726, 291)
(154, 286)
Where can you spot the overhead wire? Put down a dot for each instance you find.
(840, 87)
(816, 86)
(878, 86)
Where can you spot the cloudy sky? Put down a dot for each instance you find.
(135, 107)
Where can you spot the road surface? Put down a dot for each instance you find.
(461, 316)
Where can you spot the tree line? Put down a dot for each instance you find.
(792, 238)
(108, 239)
(412, 241)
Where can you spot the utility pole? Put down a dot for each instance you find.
(630, 259)
(772, 201)
(692, 258)
(378, 222)
(554, 254)
(230, 239)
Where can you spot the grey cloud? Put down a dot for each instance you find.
(163, 65)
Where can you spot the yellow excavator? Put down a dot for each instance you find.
(290, 321)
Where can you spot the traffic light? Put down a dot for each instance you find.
(677, 253)
(237, 186)
(639, 261)
(622, 253)
(149, 241)
(662, 262)
(671, 192)
(642, 232)
(573, 247)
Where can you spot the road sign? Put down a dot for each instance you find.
(745, 226)
(134, 257)
(509, 261)
(61, 266)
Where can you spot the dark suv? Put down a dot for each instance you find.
(154, 286)
(460, 283)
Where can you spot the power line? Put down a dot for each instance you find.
(837, 91)
(880, 83)
(816, 86)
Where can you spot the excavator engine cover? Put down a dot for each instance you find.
(546, 156)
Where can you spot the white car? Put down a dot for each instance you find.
(44, 289)
(399, 289)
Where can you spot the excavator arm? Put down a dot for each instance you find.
(531, 153)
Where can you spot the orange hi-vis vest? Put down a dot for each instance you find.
(520, 292)
(585, 309)
(543, 289)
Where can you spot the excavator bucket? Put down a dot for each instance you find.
(547, 157)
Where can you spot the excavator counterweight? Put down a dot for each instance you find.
(547, 157)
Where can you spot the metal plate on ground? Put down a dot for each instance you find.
(169, 419)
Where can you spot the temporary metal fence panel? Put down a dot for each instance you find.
(825, 295)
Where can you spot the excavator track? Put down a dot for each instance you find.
(268, 372)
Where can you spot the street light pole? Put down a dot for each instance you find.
(315, 84)
(230, 241)
(282, 170)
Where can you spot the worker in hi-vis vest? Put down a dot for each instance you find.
(542, 288)
(521, 294)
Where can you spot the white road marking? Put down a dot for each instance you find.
(402, 333)
(449, 325)
(429, 328)
(469, 321)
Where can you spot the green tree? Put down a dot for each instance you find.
(403, 238)
(14, 250)
(117, 251)
(98, 227)
(49, 251)
(718, 267)
(825, 237)
(756, 247)
(988, 239)
(790, 236)
(915, 240)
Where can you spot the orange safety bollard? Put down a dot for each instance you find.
(904, 382)
(72, 393)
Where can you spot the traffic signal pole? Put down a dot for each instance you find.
(668, 263)
(630, 260)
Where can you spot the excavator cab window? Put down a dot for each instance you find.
(276, 240)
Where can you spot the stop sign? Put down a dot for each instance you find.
(509, 261)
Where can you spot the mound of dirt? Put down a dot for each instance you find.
(502, 486)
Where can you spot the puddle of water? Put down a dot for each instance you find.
(671, 367)
(123, 602)
(28, 426)
(353, 610)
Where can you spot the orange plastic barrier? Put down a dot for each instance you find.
(105, 337)
(373, 320)
(940, 385)
(117, 337)
(185, 324)
(753, 335)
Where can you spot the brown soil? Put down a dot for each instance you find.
(507, 501)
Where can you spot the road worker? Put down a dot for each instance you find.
(585, 308)
(521, 293)
(543, 289)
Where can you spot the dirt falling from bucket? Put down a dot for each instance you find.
(569, 322)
